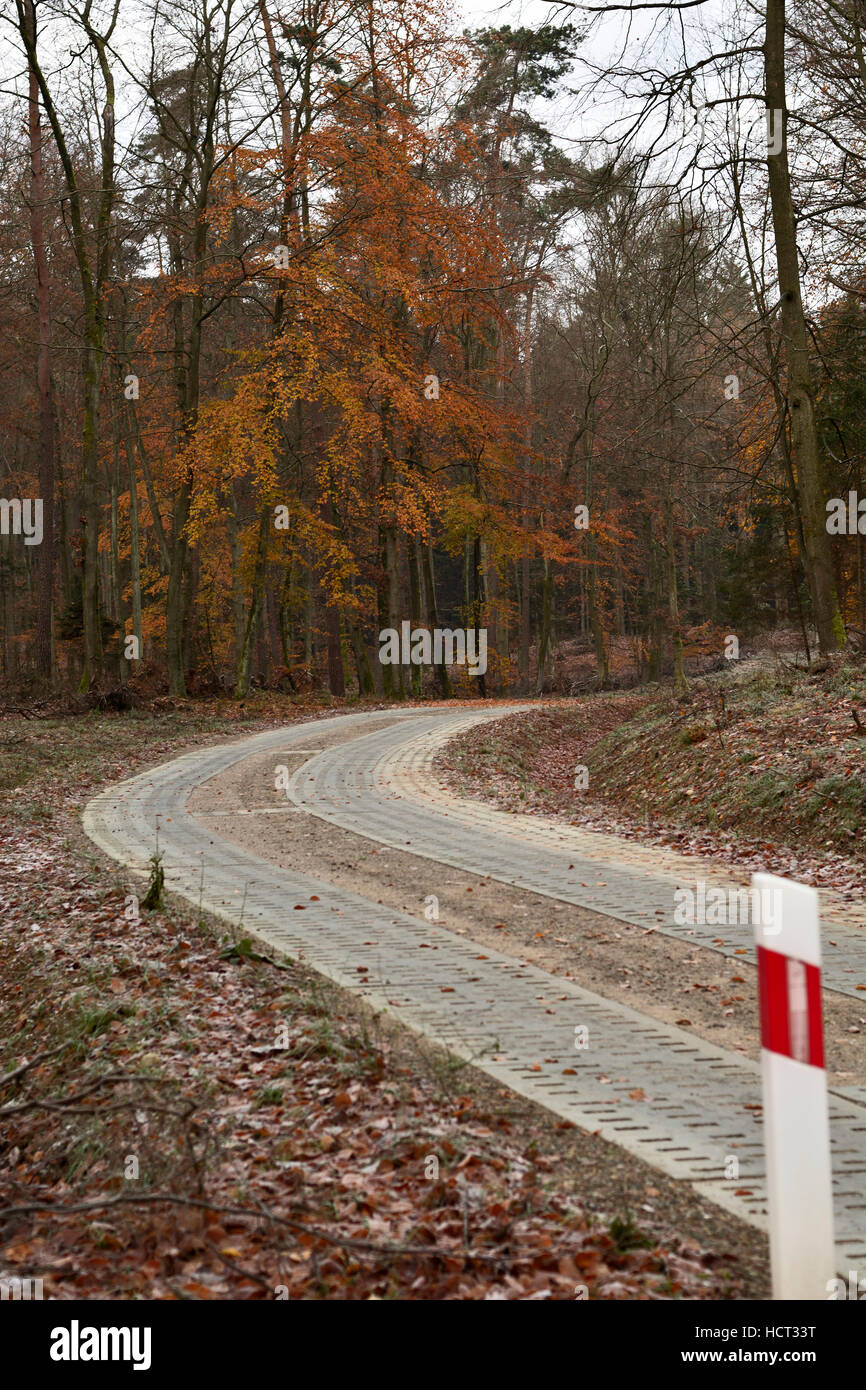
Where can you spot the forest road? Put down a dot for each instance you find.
(219, 816)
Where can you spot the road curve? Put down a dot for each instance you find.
(678, 1102)
(382, 787)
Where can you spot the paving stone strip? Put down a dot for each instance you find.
(683, 1105)
(384, 789)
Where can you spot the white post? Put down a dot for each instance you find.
(796, 1118)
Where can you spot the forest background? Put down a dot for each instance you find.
(320, 317)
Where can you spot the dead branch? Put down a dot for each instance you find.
(27, 1066)
(347, 1242)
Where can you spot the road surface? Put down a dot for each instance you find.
(679, 1102)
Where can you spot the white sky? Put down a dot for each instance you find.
(650, 37)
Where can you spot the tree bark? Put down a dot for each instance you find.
(251, 629)
(416, 675)
(45, 575)
(526, 565)
(805, 448)
(93, 263)
(443, 680)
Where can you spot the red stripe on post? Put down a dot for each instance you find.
(773, 985)
(816, 1030)
(790, 999)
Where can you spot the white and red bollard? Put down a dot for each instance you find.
(796, 1117)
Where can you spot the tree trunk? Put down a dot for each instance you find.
(442, 678)
(174, 611)
(600, 638)
(90, 498)
(115, 587)
(673, 595)
(498, 619)
(336, 676)
(238, 618)
(417, 672)
(135, 555)
(251, 629)
(366, 683)
(479, 599)
(389, 592)
(546, 615)
(861, 577)
(93, 252)
(525, 567)
(805, 447)
(45, 577)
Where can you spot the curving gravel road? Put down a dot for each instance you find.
(680, 1103)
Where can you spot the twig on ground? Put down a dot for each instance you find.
(28, 1066)
(349, 1242)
